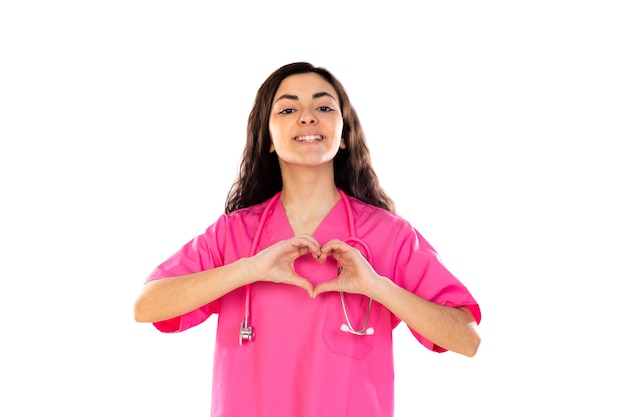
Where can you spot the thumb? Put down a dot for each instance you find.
(303, 283)
(326, 286)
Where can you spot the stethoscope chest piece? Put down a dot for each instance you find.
(245, 331)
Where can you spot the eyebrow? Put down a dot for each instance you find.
(294, 97)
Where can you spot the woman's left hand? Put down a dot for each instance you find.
(355, 276)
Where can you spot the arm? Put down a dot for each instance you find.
(451, 328)
(166, 298)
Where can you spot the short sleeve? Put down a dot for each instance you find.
(419, 269)
(199, 254)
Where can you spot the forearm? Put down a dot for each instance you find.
(451, 328)
(165, 298)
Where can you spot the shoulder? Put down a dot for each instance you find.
(381, 226)
(231, 231)
(248, 217)
(367, 213)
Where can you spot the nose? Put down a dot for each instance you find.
(307, 117)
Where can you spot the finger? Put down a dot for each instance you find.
(303, 283)
(322, 256)
(336, 247)
(326, 286)
(336, 255)
(306, 243)
(334, 243)
(332, 255)
(305, 237)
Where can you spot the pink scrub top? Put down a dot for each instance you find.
(300, 362)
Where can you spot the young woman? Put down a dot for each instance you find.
(309, 270)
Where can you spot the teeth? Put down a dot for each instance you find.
(309, 138)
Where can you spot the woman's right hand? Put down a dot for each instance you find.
(276, 263)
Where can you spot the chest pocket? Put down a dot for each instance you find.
(342, 342)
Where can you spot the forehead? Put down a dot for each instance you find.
(305, 85)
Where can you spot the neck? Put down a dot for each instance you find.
(309, 198)
(308, 187)
(307, 203)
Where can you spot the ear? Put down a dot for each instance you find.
(342, 144)
(272, 148)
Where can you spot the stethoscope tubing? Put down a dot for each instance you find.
(246, 331)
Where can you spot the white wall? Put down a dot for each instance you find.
(498, 128)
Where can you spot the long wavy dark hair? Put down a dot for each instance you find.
(259, 175)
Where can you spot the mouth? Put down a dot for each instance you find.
(308, 138)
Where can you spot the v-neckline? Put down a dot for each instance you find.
(320, 229)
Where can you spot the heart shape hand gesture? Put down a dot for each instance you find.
(276, 264)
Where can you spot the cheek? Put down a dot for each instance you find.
(275, 128)
(342, 144)
(273, 132)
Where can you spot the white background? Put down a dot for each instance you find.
(497, 127)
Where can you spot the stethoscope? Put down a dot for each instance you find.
(246, 332)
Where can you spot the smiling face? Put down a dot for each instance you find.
(305, 122)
